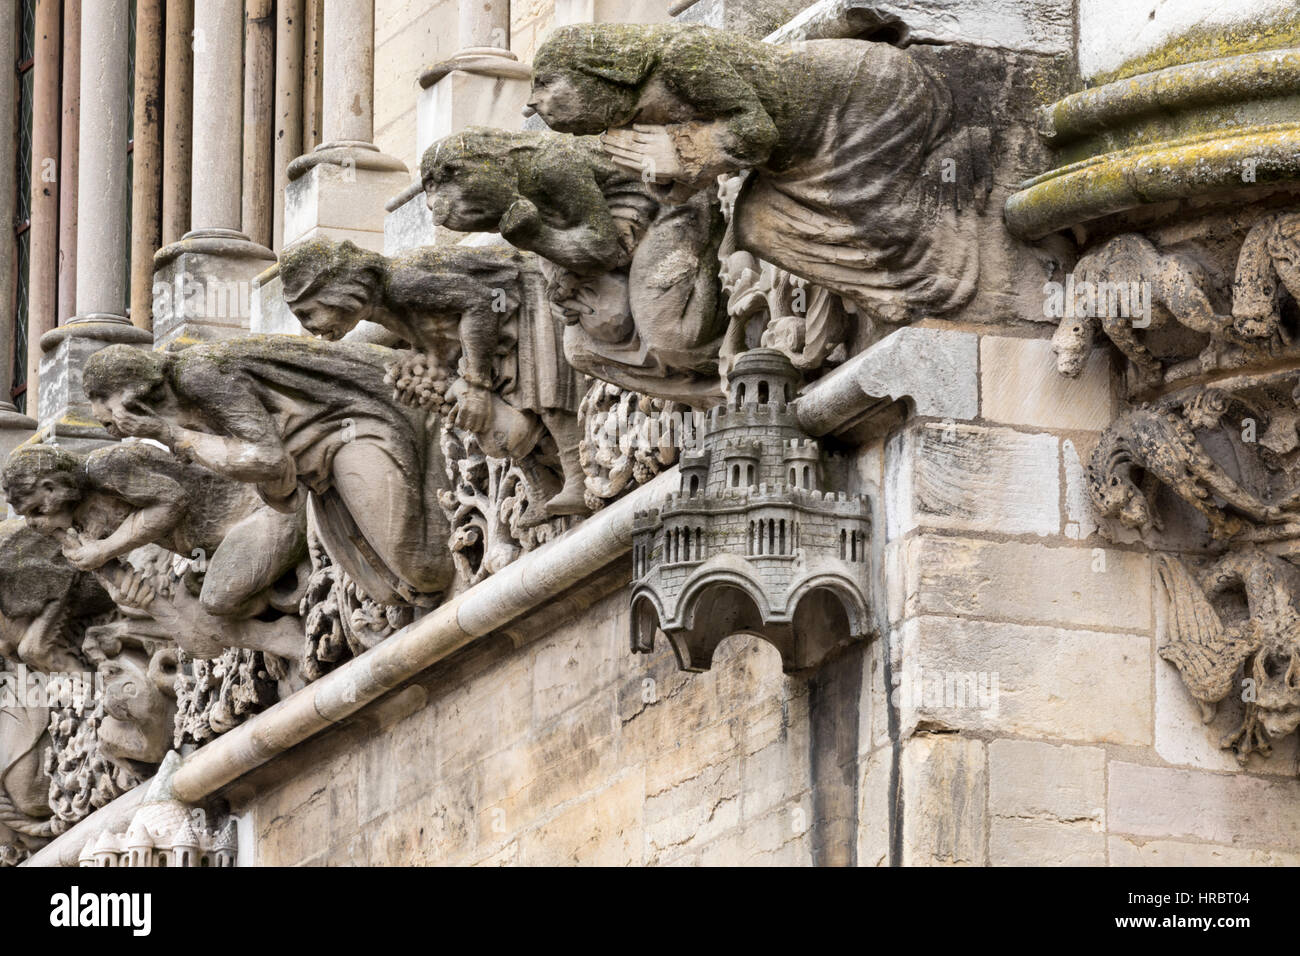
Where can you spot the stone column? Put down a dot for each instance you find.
(482, 85)
(289, 35)
(69, 142)
(146, 158)
(178, 102)
(202, 284)
(14, 426)
(259, 107)
(340, 187)
(43, 234)
(101, 230)
(617, 11)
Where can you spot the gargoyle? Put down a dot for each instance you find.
(104, 505)
(1110, 277)
(490, 352)
(846, 140)
(1156, 444)
(632, 279)
(1208, 643)
(45, 602)
(297, 417)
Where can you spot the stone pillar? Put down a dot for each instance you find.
(69, 142)
(101, 231)
(616, 11)
(178, 102)
(14, 426)
(339, 188)
(259, 106)
(203, 283)
(289, 35)
(146, 158)
(482, 85)
(43, 234)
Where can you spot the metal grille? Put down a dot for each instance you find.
(23, 200)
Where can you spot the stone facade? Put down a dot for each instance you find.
(622, 453)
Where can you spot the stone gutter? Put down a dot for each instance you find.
(934, 368)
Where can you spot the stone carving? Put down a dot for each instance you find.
(630, 438)
(1221, 643)
(775, 307)
(632, 278)
(488, 352)
(215, 696)
(26, 820)
(45, 602)
(138, 677)
(846, 140)
(339, 618)
(1144, 299)
(297, 417)
(83, 775)
(105, 505)
(1157, 443)
(165, 832)
(753, 542)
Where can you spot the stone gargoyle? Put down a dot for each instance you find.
(105, 505)
(1212, 637)
(847, 141)
(1156, 444)
(298, 418)
(488, 352)
(1132, 291)
(45, 602)
(632, 278)
(26, 820)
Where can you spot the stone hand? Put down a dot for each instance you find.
(144, 426)
(127, 587)
(648, 150)
(474, 409)
(520, 221)
(86, 554)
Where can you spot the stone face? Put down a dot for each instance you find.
(960, 476)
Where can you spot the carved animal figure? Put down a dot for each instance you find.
(633, 279)
(104, 505)
(1156, 444)
(1208, 645)
(846, 140)
(297, 417)
(44, 601)
(1174, 288)
(480, 319)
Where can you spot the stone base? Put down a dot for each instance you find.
(203, 286)
(461, 98)
(610, 11)
(15, 428)
(409, 223)
(270, 315)
(338, 191)
(65, 417)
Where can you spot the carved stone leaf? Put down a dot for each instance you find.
(1204, 651)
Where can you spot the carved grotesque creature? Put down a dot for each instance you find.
(490, 350)
(105, 505)
(846, 140)
(297, 417)
(139, 695)
(1111, 281)
(1156, 444)
(44, 600)
(25, 815)
(633, 279)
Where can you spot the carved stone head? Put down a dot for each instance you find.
(124, 382)
(45, 485)
(330, 286)
(472, 178)
(1116, 497)
(587, 77)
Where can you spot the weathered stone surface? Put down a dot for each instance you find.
(1127, 852)
(873, 815)
(1040, 781)
(960, 476)
(1016, 842)
(1019, 385)
(1039, 681)
(944, 779)
(1028, 583)
(1232, 809)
